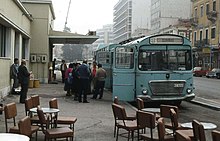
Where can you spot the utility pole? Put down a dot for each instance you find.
(65, 27)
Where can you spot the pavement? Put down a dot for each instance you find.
(95, 121)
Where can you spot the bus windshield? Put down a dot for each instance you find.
(164, 59)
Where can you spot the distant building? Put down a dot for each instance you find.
(130, 15)
(165, 13)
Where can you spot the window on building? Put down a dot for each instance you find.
(2, 41)
(214, 6)
(195, 36)
(200, 35)
(207, 9)
(206, 34)
(195, 12)
(201, 11)
(213, 33)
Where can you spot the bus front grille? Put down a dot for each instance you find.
(167, 87)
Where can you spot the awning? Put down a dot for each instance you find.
(59, 37)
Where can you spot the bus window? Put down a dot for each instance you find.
(124, 58)
(159, 60)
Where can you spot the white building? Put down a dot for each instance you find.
(167, 12)
(130, 15)
(105, 35)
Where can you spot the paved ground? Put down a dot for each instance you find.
(94, 120)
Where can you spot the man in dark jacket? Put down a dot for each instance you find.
(23, 76)
(14, 75)
(84, 74)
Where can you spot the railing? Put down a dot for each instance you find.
(212, 16)
(202, 43)
(194, 21)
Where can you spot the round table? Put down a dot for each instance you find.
(45, 110)
(13, 137)
(206, 125)
(151, 110)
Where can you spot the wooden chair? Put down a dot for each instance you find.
(35, 100)
(10, 111)
(146, 120)
(198, 131)
(165, 113)
(116, 101)
(123, 122)
(25, 127)
(162, 133)
(177, 126)
(182, 137)
(140, 103)
(215, 135)
(61, 119)
(53, 133)
(28, 106)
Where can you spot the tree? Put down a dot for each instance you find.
(72, 52)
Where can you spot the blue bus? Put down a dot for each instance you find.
(154, 68)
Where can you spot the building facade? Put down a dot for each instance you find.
(15, 34)
(130, 15)
(167, 12)
(205, 25)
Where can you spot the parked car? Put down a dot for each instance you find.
(218, 75)
(212, 73)
(199, 71)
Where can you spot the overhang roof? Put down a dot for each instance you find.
(59, 37)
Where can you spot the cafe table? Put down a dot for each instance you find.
(13, 137)
(206, 125)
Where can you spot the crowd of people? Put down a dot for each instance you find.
(81, 80)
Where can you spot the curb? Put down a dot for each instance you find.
(204, 104)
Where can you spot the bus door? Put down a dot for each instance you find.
(124, 73)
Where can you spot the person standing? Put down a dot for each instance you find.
(100, 83)
(54, 64)
(83, 74)
(63, 68)
(14, 75)
(23, 76)
(69, 80)
(94, 68)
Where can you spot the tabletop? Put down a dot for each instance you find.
(206, 125)
(46, 110)
(151, 110)
(13, 137)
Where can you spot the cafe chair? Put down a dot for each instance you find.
(116, 101)
(53, 133)
(215, 135)
(198, 131)
(176, 126)
(182, 137)
(140, 103)
(35, 100)
(10, 111)
(62, 119)
(162, 135)
(165, 113)
(122, 121)
(28, 106)
(25, 127)
(146, 120)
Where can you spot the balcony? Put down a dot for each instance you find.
(194, 21)
(202, 43)
(212, 16)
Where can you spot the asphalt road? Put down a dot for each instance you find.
(207, 88)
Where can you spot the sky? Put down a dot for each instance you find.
(84, 15)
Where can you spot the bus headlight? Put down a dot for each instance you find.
(189, 91)
(144, 92)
